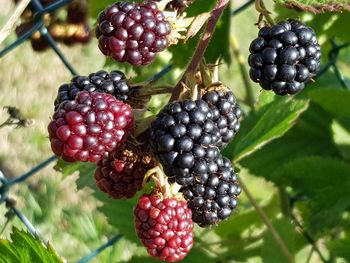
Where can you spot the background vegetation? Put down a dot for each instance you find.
(292, 153)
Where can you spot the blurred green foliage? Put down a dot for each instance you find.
(297, 147)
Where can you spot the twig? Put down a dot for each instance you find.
(241, 63)
(284, 202)
(268, 224)
(309, 256)
(10, 24)
(308, 238)
(202, 46)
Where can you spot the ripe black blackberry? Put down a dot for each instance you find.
(184, 139)
(133, 32)
(226, 114)
(113, 83)
(213, 196)
(284, 57)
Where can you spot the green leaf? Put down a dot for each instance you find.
(341, 138)
(221, 38)
(325, 181)
(311, 135)
(118, 212)
(269, 123)
(270, 250)
(335, 101)
(317, 6)
(26, 248)
(340, 247)
(237, 224)
(182, 52)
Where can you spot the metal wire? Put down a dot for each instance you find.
(39, 25)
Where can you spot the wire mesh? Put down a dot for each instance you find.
(39, 25)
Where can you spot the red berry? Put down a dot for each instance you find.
(132, 32)
(121, 174)
(89, 127)
(164, 226)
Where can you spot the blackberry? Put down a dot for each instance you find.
(164, 226)
(184, 139)
(284, 57)
(226, 114)
(214, 197)
(89, 127)
(132, 32)
(121, 174)
(113, 83)
(77, 12)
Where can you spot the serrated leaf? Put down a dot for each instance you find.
(269, 123)
(325, 181)
(26, 248)
(312, 135)
(271, 252)
(317, 6)
(335, 101)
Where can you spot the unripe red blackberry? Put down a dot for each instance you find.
(132, 32)
(89, 127)
(121, 174)
(284, 57)
(113, 83)
(164, 226)
(184, 138)
(213, 197)
(226, 114)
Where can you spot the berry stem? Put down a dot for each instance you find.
(250, 100)
(202, 46)
(149, 91)
(261, 8)
(268, 224)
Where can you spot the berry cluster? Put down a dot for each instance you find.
(186, 138)
(132, 32)
(183, 138)
(75, 29)
(113, 83)
(284, 57)
(193, 182)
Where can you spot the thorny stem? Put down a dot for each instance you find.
(202, 46)
(241, 63)
(268, 224)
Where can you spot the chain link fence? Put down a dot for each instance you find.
(39, 26)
